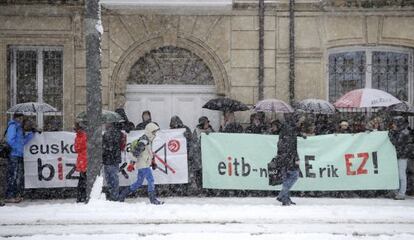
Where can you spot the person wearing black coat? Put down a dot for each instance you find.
(176, 123)
(256, 125)
(146, 118)
(127, 126)
(400, 137)
(287, 154)
(111, 157)
(195, 168)
(229, 124)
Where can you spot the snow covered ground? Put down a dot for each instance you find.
(210, 218)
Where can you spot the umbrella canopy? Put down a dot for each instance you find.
(273, 105)
(403, 108)
(31, 107)
(317, 106)
(107, 117)
(226, 105)
(366, 98)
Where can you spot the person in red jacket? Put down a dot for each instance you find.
(81, 161)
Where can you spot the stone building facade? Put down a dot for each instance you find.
(340, 45)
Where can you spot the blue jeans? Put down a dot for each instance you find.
(143, 173)
(111, 177)
(15, 177)
(289, 179)
(402, 172)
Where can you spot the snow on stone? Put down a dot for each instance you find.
(99, 27)
(167, 2)
(96, 193)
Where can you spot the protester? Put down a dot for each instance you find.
(146, 118)
(229, 124)
(176, 123)
(81, 160)
(410, 165)
(142, 152)
(287, 155)
(374, 124)
(16, 138)
(358, 125)
(111, 157)
(274, 127)
(308, 128)
(126, 125)
(195, 168)
(400, 137)
(344, 127)
(257, 125)
(3, 179)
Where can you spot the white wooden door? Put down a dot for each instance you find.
(165, 101)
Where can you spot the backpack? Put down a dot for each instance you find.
(5, 148)
(275, 171)
(134, 145)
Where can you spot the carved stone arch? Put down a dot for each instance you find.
(138, 50)
(170, 65)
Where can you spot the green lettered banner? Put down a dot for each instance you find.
(364, 161)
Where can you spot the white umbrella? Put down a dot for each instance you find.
(31, 107)
(273, 105)
(317, 106)
(366, 98)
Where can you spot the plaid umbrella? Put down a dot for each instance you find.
(107, 117)
(273, 105)
(31, 107)
(226, 105)
(317, 106)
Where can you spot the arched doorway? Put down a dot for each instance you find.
(170, 81)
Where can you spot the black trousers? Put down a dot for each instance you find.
(81, 194)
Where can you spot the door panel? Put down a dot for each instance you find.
(160, 107)
(185, 107)
(165, 104)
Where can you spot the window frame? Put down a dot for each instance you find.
(39, 78)
(368, 64)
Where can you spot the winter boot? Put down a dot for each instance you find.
(124, 194)
(291, 202)
(399, 197)
(153, 199)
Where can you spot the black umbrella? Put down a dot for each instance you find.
(402, 108)
(107, 117)
(226, 105)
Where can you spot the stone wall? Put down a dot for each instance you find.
(227, 42)
(131, 36)
(45, 26)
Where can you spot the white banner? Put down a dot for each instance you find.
(50, 157)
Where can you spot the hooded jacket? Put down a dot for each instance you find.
(176, 123)
(400, 138)
(143, 151)
(111, 149)
(287, 147)
(126, 125)
(81, 149)
(16, 138)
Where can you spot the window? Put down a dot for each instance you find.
(36, 75)
(387, 69)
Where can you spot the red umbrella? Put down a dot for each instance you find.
(366, 98)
